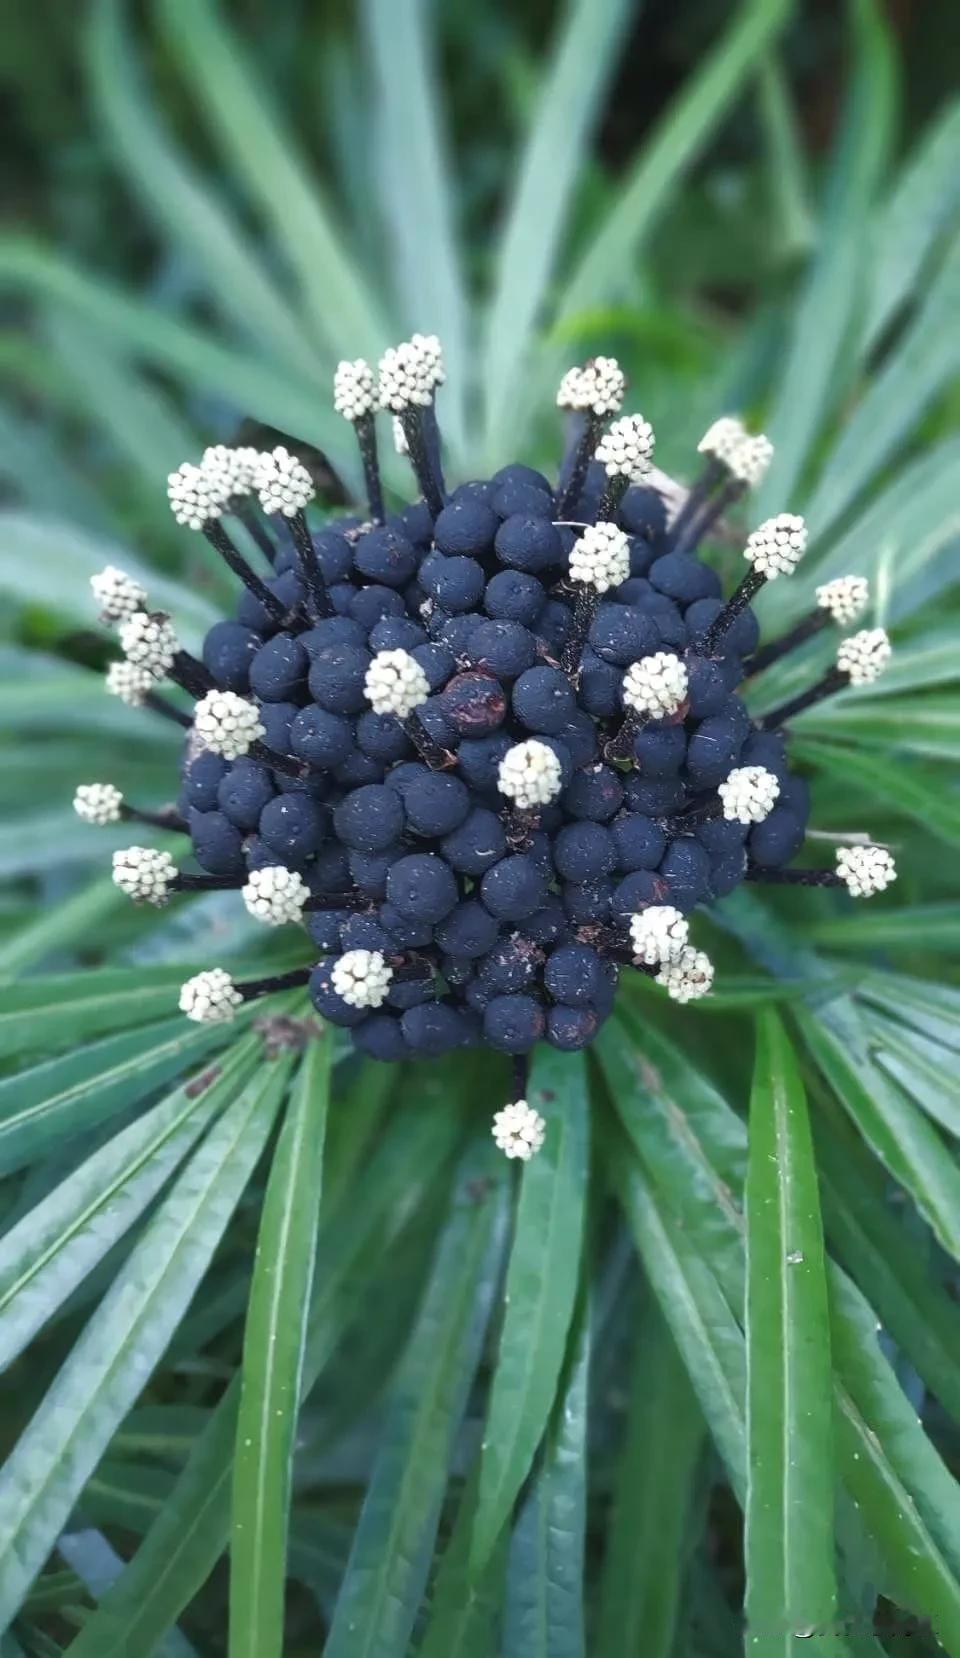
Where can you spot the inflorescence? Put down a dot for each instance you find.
(488, 749)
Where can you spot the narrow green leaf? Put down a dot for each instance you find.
(791, 1587)
(901, 1136)
(922, 205)
(465, 1610)
(540, 1292)
(263, 154)
(185, 208)
(786, 160)
(61, 1097)
(641, 1585)
(572, 86)
(394, 1541)
(415, 194)
(190, 1532)
(543, 1611)
(933, 1009)
(926, 726)
(921, 1068)
(63, 1009)
(271, 1378)
(915, 927)
(67, 1435)
(820, 355)
(57, 1243)
(900, 787)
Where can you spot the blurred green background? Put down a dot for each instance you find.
(756, 208)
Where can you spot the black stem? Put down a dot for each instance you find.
(704, 487)
(691, 819)
(735, 605)
(620, 746)
(585, 606)
(336, 901)
(519, 823)
(582, 455)
(169, 710)
(519, 1073)
(804, 630)
(205, 883)
(255, 528)
(169, 818)
(366, 431)
(705, 520)
(794, 877)
(412, 422)
(430, 751)
(431, 437)
(285, 763)
(191, 675)
(614, 490)
(573, 432)
(292, 980)
(310, 564)
(831, 682)
(231, 555)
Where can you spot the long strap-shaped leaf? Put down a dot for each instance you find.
(99, 1382)
(189, 1535)
(543, 1612)
(393, 1545)
(53, 1248)
(540, 1293)
(273, 1351)
(788, 1543)
(569, 98)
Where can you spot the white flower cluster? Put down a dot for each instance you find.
(776, 546)
(656, 685)
(658, 934)
(128, 682)
(409, 373)
(227, 723)
(283, 483)
(750, 459)
(600, 558)
(98, 803)
(846, 598)
(530, 774)
(400, 443)
(626, 451)
(211, 998)
(722, 440)
(749, 794)
(395, 683)
(361, 978)
(598, 387)
(519, 1130)
(275, 895)
(864, 655)
(144, 873)
(865, 870)
(194, 495)
(149, 642)
(230, 472)
(688, 975)
(354, 389)
(117, 594)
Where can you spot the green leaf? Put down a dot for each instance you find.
(540, 1292)
(271, 1377)
(921, 207)
(901, 788)
(921, 1069)
(923, 363)
(572, 87)
(189, 1534)
(901, 1136)
(786, 160)
(933, 1009)
(57, 1243)
(465, 1610)
(641, 1585)
(56, 929)
(915, 927)
(415, 193)
(62, 1097)
(819, 353)
(928, 726)
(185, 209)
(63, 1009)
(263, 155)
(394, 1540)
(98, 1384)
(791, 1586)
(543, 1611)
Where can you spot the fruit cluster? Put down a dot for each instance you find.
(489, 748)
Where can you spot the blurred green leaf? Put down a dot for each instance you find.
(922, 206)
(901, 788)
